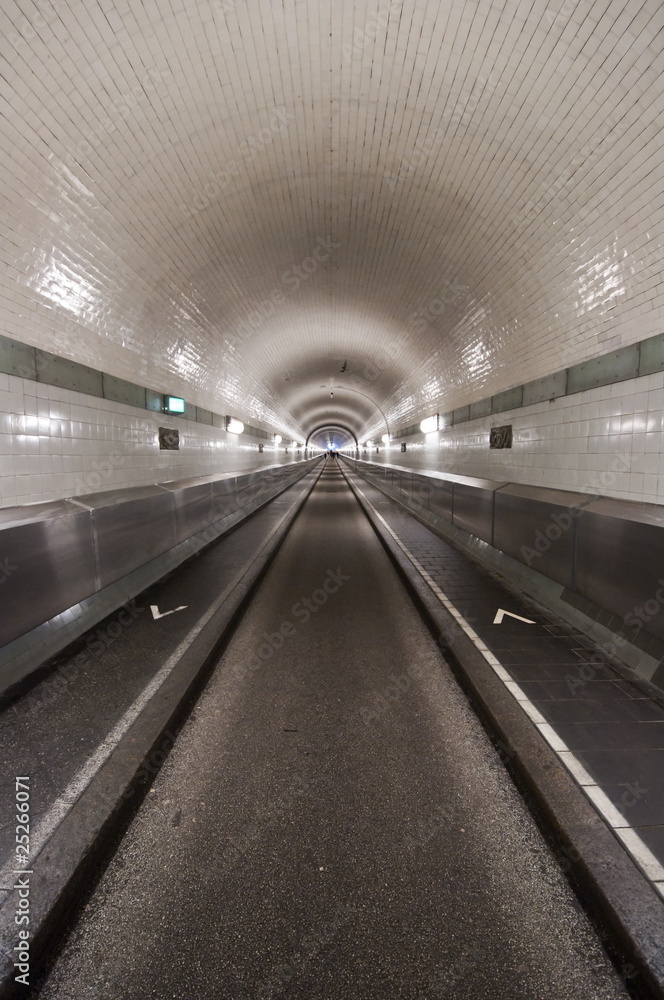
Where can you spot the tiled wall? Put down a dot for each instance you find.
(55, 443)
(422, 202)
(606, 440)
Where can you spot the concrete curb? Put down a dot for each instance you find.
(79, 847)
(624, 907)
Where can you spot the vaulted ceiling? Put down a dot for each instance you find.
(410, 204)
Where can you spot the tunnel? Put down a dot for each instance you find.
(331, 499)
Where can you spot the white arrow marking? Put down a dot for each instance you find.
(154, 608)
(500, 614)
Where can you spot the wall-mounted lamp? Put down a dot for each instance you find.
(278, 439)
(429, 424)
(234, 426)
(385, 439)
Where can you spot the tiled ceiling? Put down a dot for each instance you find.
(235, 200)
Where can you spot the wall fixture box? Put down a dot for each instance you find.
(174, 404)
(501, 437)
(169, 439)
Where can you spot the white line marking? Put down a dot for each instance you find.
(650, 864)
(44, 828)
(576, 769)
(500, 614)
(606, 806)
(154, 608)
(639, 851)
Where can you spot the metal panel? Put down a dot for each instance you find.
(482, 408)
(613, 367)
(121, 391)
(132, 526)
(154, 401)
(224, 497)
(651, 355)
(421, 490)
(537, 526)
(441, 498)
(546, 388)
(17, 359)
(54, 370)
(192, 501)
(620, 561)
(47, 564)
(511, 399)
(473, 506)
(461, 414)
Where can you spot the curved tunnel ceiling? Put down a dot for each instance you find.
(333, 436)
(254, 203)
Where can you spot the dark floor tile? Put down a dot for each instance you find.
(608, 735)
(542, 652)
(644, 710)
(639, 804)
(654, 839)
(577, 687)
(616, 766)
(575, 710)
(532, 670)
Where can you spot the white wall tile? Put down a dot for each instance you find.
(566, 452)
(108, 447)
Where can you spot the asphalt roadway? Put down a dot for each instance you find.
(333, 821)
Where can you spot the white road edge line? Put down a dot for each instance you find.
(640, 852)
(47, 824)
